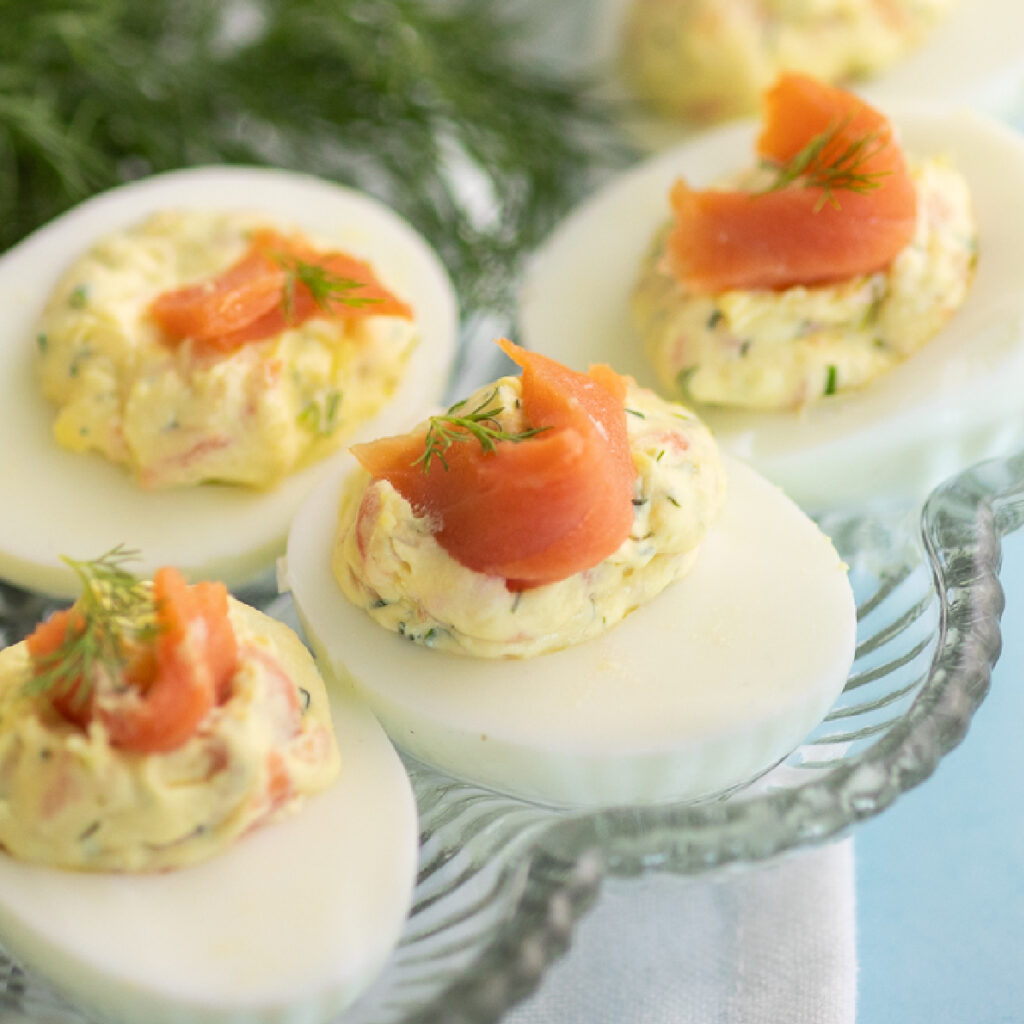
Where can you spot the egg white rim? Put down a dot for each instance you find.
(52, 919)
(564, 755)
(949, 403)
(208, 531)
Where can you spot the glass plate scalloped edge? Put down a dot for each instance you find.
(502, 883)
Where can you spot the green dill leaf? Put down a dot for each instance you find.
(815, 167)
(320, 416)
(831, 379)
(683, 378)
(332, 404)
(117, 612)
(637, 413)
(480, 423)
(325, 287)
(79, 297)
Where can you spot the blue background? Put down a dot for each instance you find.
(940, 875)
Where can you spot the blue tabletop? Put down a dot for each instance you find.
(940, 875)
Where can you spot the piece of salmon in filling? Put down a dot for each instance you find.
(813, 273)
(533, 515)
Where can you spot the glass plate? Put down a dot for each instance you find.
(502, 882)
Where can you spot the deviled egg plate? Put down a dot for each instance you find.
(181, 356)
(561, 590)
(907, 423)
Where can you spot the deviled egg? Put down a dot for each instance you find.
(957, 53)
(703, 61)
(192, 829)
(671, 686)
(952, 402)
(60, 499)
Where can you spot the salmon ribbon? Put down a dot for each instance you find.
(533, 511)
(170, 685)
(806, 232)
(268, 290)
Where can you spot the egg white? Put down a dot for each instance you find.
(290, 924)
(973, 57)
(701, 689)
(60, 502)
(954, 402)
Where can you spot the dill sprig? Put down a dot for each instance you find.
(480, 423)
(325, 287)
(115, 613)
(405, 99)
(816, 167)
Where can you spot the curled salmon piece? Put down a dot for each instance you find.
(280, 282)
(167, 687)
(852, 211)
(537, 510)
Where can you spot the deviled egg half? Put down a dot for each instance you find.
(181, 355)
(559, 589)
(703, 61)
(192, 829)
(676, 66)
(912, 421)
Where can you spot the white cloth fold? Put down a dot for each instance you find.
(773, 944)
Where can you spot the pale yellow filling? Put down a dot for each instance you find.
(174, 416)
(387, 561)
(69, 799)
(707, 60)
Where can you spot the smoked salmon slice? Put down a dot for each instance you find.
(172, 683)
(280, 282)
(851, 213)
(537, 510)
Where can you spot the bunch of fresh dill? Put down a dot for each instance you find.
(411, 100)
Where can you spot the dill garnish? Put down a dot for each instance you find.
(325, 287)
(481, 423)
(816, 167)
(115, 613)
(395, 97)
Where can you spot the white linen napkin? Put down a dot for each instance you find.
(773, 944)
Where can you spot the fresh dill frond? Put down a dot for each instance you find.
(404, 99)
(817, 166)
(481, 424)
(114, 614)
(325, 287)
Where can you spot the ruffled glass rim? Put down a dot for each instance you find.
(962, 525)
